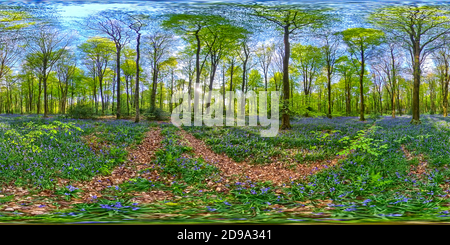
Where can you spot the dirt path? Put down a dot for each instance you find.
(276, 172)
(421, 169)
(138, 159)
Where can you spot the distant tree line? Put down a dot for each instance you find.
(127, 63)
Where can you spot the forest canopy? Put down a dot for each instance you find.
(324, 59)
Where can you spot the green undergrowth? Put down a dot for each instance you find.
(171, 161)
(35, 152)
(373, 183)
(317, 139)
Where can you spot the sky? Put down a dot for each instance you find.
(77, 8)
(350, 10)
(83, 10)
(80, 11)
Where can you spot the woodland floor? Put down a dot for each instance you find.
(203, 175)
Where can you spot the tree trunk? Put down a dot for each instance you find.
(380, 102)
(285, 122)
(393, 104)
(416, 86)
(393, 83)
(198, 72)
(211, 81)
(136, 98)
(127, 78)
(204, 92)
(30, 95)
(154, 86)
(265, 80)
(291, 84)
(45, 89)
(223, 87)
(361, 89)
(398, 100)
(347, 97)
(95, 98)
(445, 101)
(113, 93)
(161, 96)
(21, 108)
(118, 49)
(244, 80)
(171, 93)
(231, 84)
(329, 91)
(320, 99)
(100, 81)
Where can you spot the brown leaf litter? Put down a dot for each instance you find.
(276, 172)
(94, 142)
(138, 159)
(421, 169)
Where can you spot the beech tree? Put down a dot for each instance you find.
(110, 23)
(211, 39)
(47, 46)
(65, 70)
(129, 71)
(442, 60)
(136, 23)
(192, 27)
(245, 57)
(98, 53)
(289, 19)
(219, 39)
(418, 27)
(347, 70)
(265, 55)
(189, 68)
(309, 62)
(158, 45)
(331, 54)
(360, 41)
(389, 66)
